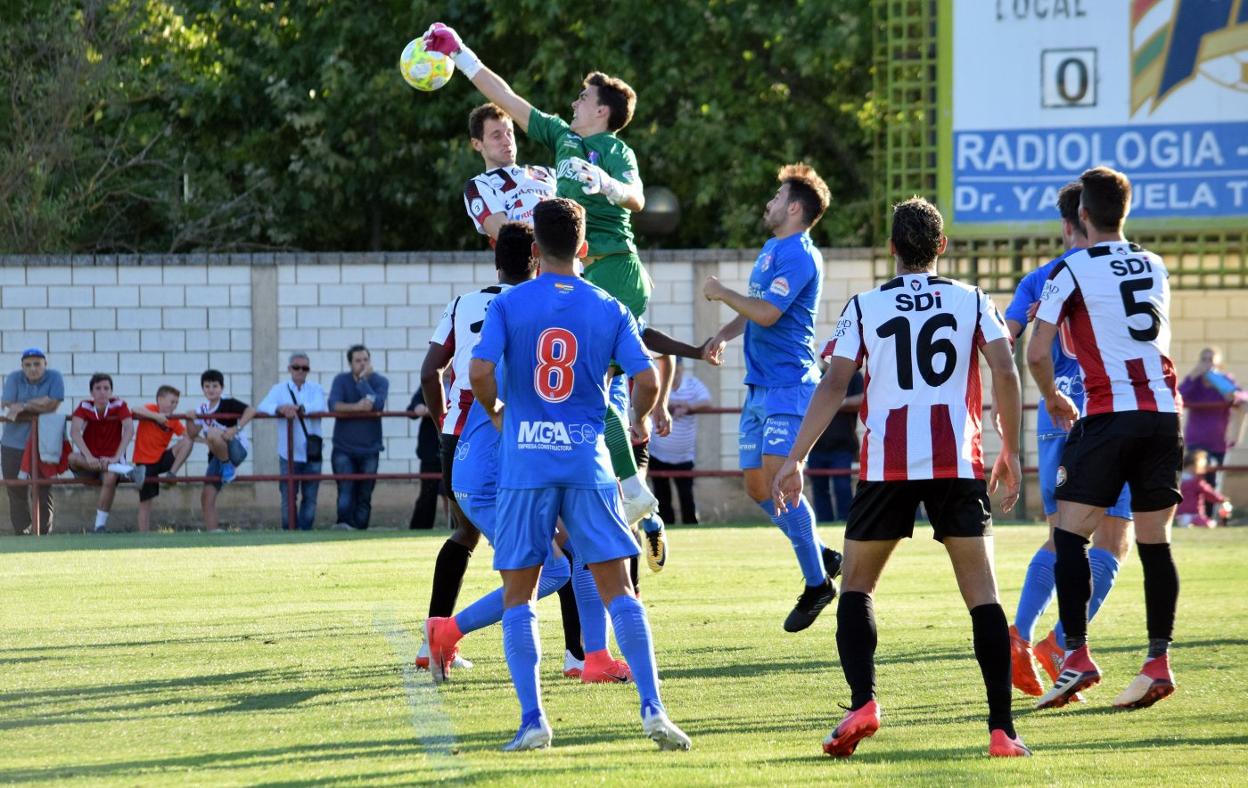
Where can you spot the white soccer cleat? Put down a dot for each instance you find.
(461, 662)
(663, 732)
(422, 660)
(572, 667)
(640, 505)
(536, 736)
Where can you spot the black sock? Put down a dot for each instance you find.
(855, 641)
(571, 619)
(634, 564)
(1074, 585)
(641, 453)
(992, 649)
(1161, 592)
(448, 576)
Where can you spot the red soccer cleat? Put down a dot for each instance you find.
(601, 668)
(442, 636)
(1026, 679)
(1002, 746)
(855, 726)
(1151, 684)
(1050, 655)
(1078, 673)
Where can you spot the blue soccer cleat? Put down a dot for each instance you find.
(534, 736)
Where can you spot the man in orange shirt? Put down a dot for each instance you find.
(151, 446)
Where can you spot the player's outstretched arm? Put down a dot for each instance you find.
(1040, 361)
(667, 345)
(440, 38)
(824, 404)
(757, 310)
(1007, 403)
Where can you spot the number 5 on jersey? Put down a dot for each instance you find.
(556, 353)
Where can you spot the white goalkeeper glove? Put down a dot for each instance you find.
(595, 180)
(440, 38)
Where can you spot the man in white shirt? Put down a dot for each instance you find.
(293, 400)
(677, 451)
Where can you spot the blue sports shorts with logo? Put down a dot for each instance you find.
(594, 519)
(769, 421)
(481, 511)
(1050, 448)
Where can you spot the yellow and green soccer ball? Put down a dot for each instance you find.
(425, 70)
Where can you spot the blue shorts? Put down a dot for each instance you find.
(594, 520)
(237, 455)
(769, 421)
(1050, 449)
(481, 511)
(617, 395)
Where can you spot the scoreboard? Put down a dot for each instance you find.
(1033, 92)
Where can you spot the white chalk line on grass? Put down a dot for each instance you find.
(432, 725)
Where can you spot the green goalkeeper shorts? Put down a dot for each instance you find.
(624, 277)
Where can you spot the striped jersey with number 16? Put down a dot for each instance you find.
(919, 336)
(459, 330)
(1116, 297)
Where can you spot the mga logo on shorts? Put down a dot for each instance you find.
(1061, 475)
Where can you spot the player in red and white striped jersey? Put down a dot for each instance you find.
(1115, 297)
(919, 336)
(506, 191)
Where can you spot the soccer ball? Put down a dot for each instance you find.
(425, 70)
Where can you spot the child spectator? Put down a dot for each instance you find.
(1197, 493)
(227, 440)
(151, 446)
(101, 432)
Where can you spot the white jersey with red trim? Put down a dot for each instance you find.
(919, 336)
(459, 329)
(513, 191)
(1116, 298)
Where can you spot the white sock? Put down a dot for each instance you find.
(632, 486)
(101, 518)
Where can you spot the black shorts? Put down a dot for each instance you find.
(446, 449)
(886, 510)
(1142, 449)
(151, 487)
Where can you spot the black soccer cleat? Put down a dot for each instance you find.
(832, 562)
(809, 605)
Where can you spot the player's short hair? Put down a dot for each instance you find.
(478, 117)
(163, 390)
(351, 351)
(1106, 197)
(807, 188)
(1068, 203)
(513, 250)
(559, 228)
(615, 94)
(99, 377)
(917, 230)
(212, 375)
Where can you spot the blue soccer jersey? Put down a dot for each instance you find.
(789, 275)
(555, 337)
(1066, 371)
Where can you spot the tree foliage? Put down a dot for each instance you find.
(247, 124)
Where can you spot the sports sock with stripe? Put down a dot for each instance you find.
(522, 647)
(632, 632)
(1036, 594)
(448, 576)
(992, 651)
(855, 643)
(1161, 594)
(1074, 585)
(589, 605)
(798, 523)
(615, 431)
(1104, 572)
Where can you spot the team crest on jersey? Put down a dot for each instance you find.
(1061, 475)
(764, 262)
(477, 206)
(779, 286)
(915, 284)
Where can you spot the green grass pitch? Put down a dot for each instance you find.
(271, 658)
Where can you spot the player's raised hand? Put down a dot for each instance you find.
(595, 180)
(1006, 470)
(440, 38)
(786, 488)
(1061, 410)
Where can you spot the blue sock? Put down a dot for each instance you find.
(798, 524)
(1104, 573)
(632, 632)
(1038, 590)
(769, 508)
(555, 573)
(589, 606)
(523, 651)
(480, 614)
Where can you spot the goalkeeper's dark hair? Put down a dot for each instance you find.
(806, 188)
(917, 230)
(614, 94)
(1106, 197)
(513, 252)
(1068, 203)
(559, 228)
(478, 117)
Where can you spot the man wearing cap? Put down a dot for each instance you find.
(29, 393)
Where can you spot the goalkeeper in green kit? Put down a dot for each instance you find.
(599, 171)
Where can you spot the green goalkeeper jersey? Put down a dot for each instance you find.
(608, 228)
